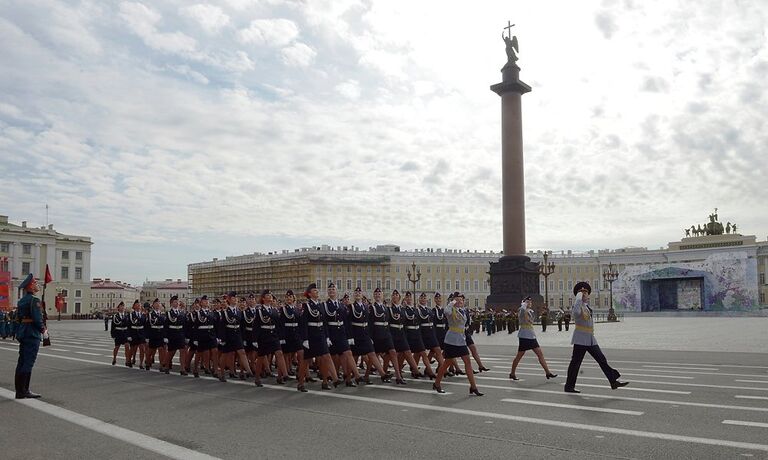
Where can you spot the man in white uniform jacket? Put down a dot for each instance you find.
(584, 341)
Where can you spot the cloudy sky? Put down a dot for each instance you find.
(174, 131)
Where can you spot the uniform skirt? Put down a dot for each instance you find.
(205, 345)
(527, 344)
(268, 348)
(291, 346)
(415, 342)
(316, 348)
(175, 343)
(429, 338)
(338, 345)
(249, 340)
(399, 341)
(120, 339)
(232, 344)
(383, 343)
(156, 342)
(454, 351)
(363, 345)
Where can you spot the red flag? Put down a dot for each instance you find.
(48, 277)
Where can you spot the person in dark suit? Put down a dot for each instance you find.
(315, 341)
(119, 331)
(29, 333)
(174, 338)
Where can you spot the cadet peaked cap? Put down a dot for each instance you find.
(437, 294)
(377, 290)
(135, 302)
(357, 289)
(232, 294)
(146, 305)
(289, 292)
(205, 297)
(27, 281)
(174, 297)
(311, 286)
(582, 285)
(331, 286)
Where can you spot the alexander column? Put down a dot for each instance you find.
(514, 276)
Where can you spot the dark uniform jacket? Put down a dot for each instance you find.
(29, 315)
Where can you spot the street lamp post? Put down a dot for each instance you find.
(545, 270)
(414, 275)
(610, 275)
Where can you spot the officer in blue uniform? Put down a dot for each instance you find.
(29, 333)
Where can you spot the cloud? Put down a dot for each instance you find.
(606, 23)
(269, 32)
(211, 18)
(655, 85)
(143, 21)
(298, 55)
(349, 89)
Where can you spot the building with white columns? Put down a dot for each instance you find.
(25, 249)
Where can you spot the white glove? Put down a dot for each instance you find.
(186, 340)
(282, 342)
(329, 341)
(130, 339)
(305, 344)
(195, 343)
(218, 342)
(351, 341)
(255, 345)
(165, 340)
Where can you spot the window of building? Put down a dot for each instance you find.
(26, 249)
(541, 286)
(25, 268)
(569, 269)
(457, 269)
(466, 269)
(338, 269)
(339, 285)
(429, 269)
(386, 270)
(762, 278)
(606, 301)
(5, 247)
(328, 283)
(77, 307)
(560, 284)
(349, 285)
(349, 269)
(319, 283)
(79, 255)
(437, 285)
(397, 285)
(64, 293)
(570, 301)
(448, 285)
(551, 285)
(359, 270)
(476, 303)
(458, 285)
(485, 285)
(368, 285)
(330, 269)
(378, 284)
(369, 270)
(477, 285)
(359, 284)
(418, 285)
(596, 284)
(605, 284)
(429, 285)
(65, 255)
(578, 269)
(65, 273)
(387, 285)
(78, 293)
(378, 269)
(397, 269)
(437, 270)
(561, 301)
(78, 273)
(762, 298)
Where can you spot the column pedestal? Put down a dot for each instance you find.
(514, 278)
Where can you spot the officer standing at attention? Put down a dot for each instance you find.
(584, 341)
(173, 331)
(29, 334)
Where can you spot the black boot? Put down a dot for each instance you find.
(19, 383)
(27, 393)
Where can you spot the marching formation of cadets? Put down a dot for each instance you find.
(340, 341)
(492, 322)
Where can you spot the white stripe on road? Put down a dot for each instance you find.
(86, 353)
(572, 406)
(708, 365)
(751, 381)
(686, 372)
(762, 398)
(411, 390)
(149, 443)
(634, 388)
(493, 415)
(743, 423)
(686, 368)
(563, 372)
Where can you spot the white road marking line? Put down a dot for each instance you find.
(709, 365)
(493, 415)
(762, 398)
(411, 390)
(751, 381)
(59, 349)
(86, 353)
(143, 441)
(633, 388)
(743, 423)
(711, 369)
(686, 372)
(564, 371)
(572, 406)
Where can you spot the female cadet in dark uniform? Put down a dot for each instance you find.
(154, 328)
(230, 329)
(362, 345)
(119, 331)
(268, 338)
(396, 322)
(203, 324)
(250, 330)
(173, 329)
(413, 335)
(426, 318)
(335, 318)
(290, 335)
(382, 337)
(315, 340)
(137, 334)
